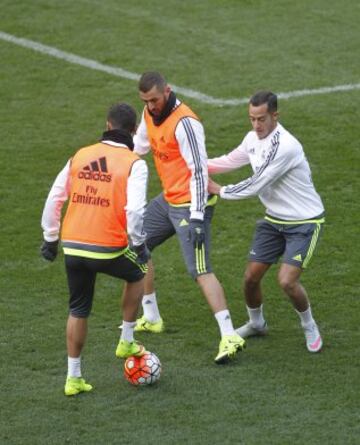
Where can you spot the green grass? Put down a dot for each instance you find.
(275, 393)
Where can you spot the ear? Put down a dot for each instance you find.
(167, 91)
(108, 126)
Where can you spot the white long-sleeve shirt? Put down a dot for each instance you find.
(191, 139)
(135, 206)
(281, 179)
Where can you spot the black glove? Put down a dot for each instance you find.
(49, 250)
(143, 253)
(197, 233)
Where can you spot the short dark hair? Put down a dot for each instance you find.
(265, 97)
(150, 79)
(122, 116)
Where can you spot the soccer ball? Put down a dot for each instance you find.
(144, 370)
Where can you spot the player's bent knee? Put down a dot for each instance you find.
(286, 283)
(251, 279)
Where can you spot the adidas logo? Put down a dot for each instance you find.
(95, 171)
(297, 257)
(183, 223)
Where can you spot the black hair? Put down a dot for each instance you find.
(265, 97)
(122, 116)
(150, 79)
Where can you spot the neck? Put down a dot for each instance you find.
(169, 106)
(119, 136)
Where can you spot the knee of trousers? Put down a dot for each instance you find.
(195, 273)
(79, 313)
(80, 309)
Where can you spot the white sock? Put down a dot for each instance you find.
(225, 323)
(150, 308)
(74, 366)
(127, 332)
(256, 316)
(306, 317)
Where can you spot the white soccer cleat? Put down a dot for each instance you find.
(313, 338)
(249, 330)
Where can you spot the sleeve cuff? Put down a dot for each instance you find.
(51, 238)
(222, 192)
(197, 215)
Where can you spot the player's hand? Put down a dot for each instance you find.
(197, 233)
(213, 187)
(49, 250)
(142, 252)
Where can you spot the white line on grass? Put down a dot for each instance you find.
(120, 72)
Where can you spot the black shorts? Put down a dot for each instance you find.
(81, 275)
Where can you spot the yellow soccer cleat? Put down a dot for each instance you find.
(228, 348)
(126, 349)
(76, 385)
(142, 325)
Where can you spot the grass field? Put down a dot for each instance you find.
(274, 393)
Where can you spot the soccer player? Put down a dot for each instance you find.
(294, 212)
(106, 187)
(175, 135)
